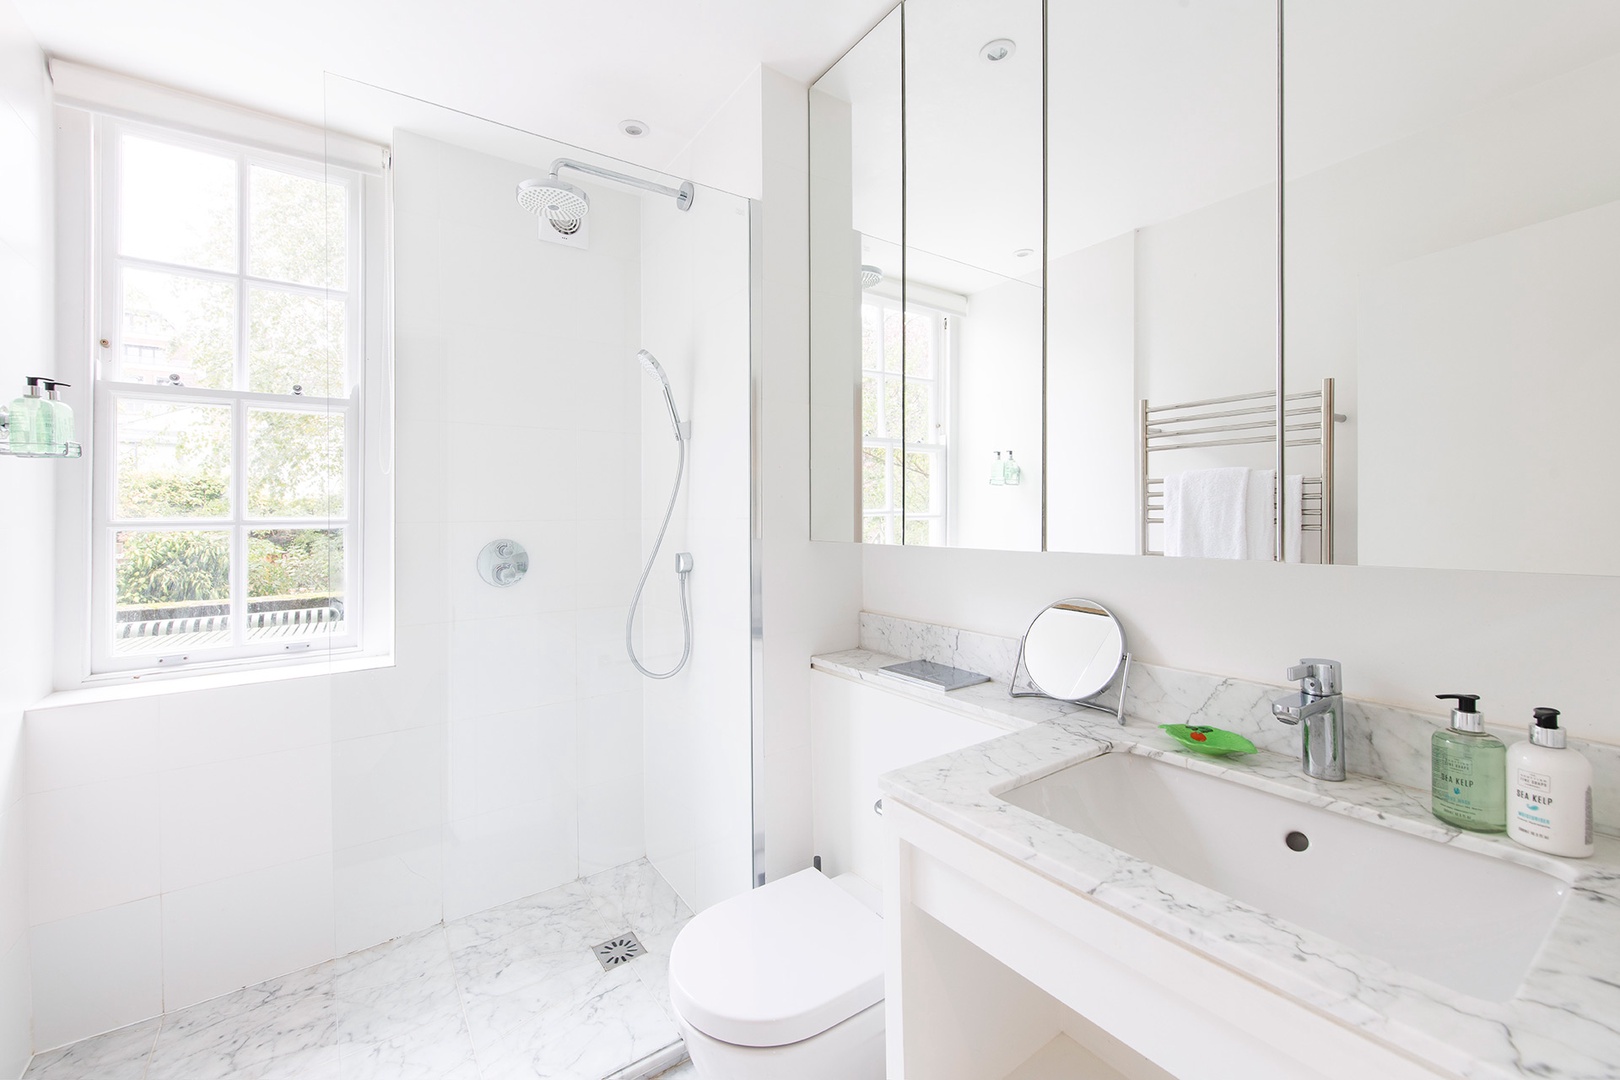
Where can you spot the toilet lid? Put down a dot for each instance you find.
(778, 964)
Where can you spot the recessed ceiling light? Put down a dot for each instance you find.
(1024, 253)
(633, 128)
(998, 50)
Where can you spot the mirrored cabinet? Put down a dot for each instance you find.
(1327, 283)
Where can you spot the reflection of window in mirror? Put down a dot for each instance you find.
(904, 438)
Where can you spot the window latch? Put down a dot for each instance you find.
(174, 661)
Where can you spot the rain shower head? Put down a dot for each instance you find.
(650, 365)
(553, 199)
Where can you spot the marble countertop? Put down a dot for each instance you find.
(1564, 1022)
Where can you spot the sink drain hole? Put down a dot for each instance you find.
(1297, 841)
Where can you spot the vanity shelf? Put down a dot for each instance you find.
(65, 450)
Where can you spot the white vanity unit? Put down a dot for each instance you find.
(1081, 899)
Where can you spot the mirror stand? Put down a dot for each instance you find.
(1023, 686)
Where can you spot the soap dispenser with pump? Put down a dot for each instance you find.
(29, 428)
(1549, 789)
(1012, 472)
(61, 414)
(998, 470)
(1469, 766)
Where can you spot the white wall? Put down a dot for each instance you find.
(26, 489)
(996, 405)
(811, 590)
(185, 842)
(698, 725)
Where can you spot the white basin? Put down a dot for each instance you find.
(1462, 919)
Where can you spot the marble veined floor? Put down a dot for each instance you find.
(512, 992)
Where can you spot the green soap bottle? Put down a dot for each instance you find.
(1469, 784)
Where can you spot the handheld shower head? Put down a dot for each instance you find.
(553, 199)
(650, 365)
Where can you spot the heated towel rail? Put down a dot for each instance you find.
(1242, 420)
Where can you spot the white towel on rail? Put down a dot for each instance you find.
(1206, 514)
(1261, 521)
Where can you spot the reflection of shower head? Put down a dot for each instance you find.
(870, 275)
(650, 365)
(553, 200)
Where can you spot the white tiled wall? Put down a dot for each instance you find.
(26, 490)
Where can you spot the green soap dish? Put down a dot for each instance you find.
(1209, 740)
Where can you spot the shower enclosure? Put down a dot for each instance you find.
(521, 330)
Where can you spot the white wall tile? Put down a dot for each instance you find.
(421, 471)
(610, 823)
(388, 888)
(606, 560)
(206, 726)
(96, 971)
(525, 756)
(82, 744)
(225, 819)
(414, 693)
(241, 930)
(604, 666)
(500, 665)
(92, 846)
(14, 882)
(506, 473)
(421, 368)
(388, 785)
(609, 742)
(495, 858)
(422, 588)
(16, 1008)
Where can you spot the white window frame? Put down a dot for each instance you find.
(89, 313)
(894, 510)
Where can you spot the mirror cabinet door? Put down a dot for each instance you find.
(856, 240)
(1452, 218)
(1161, 307)
(972, 293)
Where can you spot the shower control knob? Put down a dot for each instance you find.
(503, 563)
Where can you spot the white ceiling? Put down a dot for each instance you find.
(570, 71)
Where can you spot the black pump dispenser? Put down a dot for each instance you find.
(1545, 731)
(1466, 716)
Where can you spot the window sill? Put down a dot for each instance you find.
(121, 687)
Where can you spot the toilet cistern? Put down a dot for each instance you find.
(1319, 707)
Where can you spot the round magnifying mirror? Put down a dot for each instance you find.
(1073, 649)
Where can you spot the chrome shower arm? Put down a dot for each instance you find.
(682, 195)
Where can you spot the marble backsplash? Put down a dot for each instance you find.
(1382, 741)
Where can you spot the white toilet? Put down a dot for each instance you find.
(784, 982)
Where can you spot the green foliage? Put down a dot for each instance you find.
(295, 463)
(173, 567)
(172, 494)
(295, 562)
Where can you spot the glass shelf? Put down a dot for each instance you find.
(65, 450)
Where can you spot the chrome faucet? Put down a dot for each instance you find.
(1319, 707)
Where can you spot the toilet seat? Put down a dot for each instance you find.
(779, 964)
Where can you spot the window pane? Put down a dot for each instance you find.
(174, 460)
(920, 483)
(869, 404)
(297, 228)
(892, 389)
(295, 583)
(920, 345)
(893, 341)
(178, 205)
(295, 340)
(871, 338)
(920, 412)
(173, 591)
(874, 478)
(919, 533)
(876, 530)
(178, 328)
(295, 464)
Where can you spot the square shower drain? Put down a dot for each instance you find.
(618, 950)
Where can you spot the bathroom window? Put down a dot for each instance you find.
(226, 519)
(903, 430)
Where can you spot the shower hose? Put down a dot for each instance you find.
(683, 568)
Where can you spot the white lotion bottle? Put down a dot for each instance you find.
(1549, 789)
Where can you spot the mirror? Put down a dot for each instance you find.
(1452, 218)
(1073, 650)
(1449, 232)
(1162, 176)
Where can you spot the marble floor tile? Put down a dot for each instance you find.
(684, 1071)
(513, 992)
(117, 1055)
